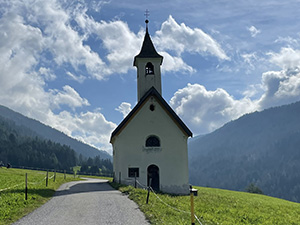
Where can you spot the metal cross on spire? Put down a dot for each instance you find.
(147, 14)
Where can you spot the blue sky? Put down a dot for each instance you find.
(69, 64)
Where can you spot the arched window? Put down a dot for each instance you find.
(152, 141)
(149, 68)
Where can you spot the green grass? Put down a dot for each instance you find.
(12, 201)
(216, 206)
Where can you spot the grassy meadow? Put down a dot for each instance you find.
(216, 206)
(12, 191)
(212, 206)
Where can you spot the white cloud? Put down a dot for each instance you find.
(63, 41)
(124, 108)
(79, 79)
(20, 86)
(121, 43)
(67, 97)
(281, 87)
(47, 73)
(54, 35)
(205, 111)
(24, 47)
(89, 127)
(253, 91)
(181, 38)
(286, 58)
(175, 64)
(253, 31)
(250, 59)
(287, 40)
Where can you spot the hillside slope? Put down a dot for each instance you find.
(215, 206)
(33, 128)
(261, 148)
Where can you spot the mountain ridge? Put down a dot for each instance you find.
(260, 148)
(48, 133)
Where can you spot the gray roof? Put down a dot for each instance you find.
(152, 92)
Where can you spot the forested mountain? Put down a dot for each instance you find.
(33, 128)
(20, 146)
(262, 148)
(19, 150)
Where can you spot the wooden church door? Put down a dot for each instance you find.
(153, 173)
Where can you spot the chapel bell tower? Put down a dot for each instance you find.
(148, 63)
(150, 144)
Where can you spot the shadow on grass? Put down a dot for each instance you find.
(75, 187)
(43, 192)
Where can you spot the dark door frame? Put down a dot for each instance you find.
(153, 173)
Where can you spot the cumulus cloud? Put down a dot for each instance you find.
(21, 87)
(89, 127)
(286, 58)
(23, 81)
(281, 87)
(120, 42)
(253, 31)
(175, 64)
(67, 97)
(47, 73)
(66, 40)
(63, 41)
(124, 108)
(181, 38)
(54, 35)
(205, 111)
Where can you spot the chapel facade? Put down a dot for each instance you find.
(150, 144)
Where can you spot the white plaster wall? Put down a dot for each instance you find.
(129, 149)
(145, 82)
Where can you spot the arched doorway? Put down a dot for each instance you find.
(153, 173)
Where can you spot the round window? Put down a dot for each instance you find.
(152, 107)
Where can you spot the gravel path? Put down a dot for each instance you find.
(88, 202)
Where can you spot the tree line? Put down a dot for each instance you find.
(20, 150)
(261, 148)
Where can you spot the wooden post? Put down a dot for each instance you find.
(54, 176)
(192, 208)
(64, 174)
(47, 179)
(26, 190)
(193, 192)
(150, 182)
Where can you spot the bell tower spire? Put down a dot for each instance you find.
(148, 63)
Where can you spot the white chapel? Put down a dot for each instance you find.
(150, 144)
